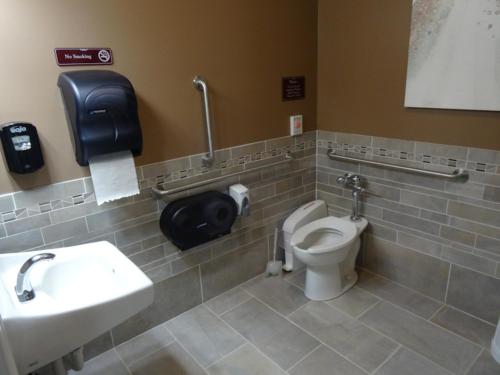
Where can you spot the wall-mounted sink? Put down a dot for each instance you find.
(80, 294)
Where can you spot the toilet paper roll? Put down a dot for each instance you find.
(113, 176)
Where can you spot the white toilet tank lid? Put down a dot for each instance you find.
(304, 215)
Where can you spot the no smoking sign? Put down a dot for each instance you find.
(83, 56)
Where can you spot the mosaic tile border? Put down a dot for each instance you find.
(421, 153)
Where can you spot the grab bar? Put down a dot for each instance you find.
(201, 85)
(158, 192)
(456, 174)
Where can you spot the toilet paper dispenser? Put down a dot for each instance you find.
(191, 221)
(101, 107)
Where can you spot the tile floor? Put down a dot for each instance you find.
(266, 326)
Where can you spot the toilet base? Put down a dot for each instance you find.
(326, 282)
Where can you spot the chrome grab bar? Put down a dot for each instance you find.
(201, 85)
(158, 192)
(456, 174)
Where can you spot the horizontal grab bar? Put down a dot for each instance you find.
(159, 192)
(456, 174)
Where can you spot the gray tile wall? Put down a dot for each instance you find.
(438, 237)
(66, 214)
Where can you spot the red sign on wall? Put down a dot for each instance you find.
(83, 56)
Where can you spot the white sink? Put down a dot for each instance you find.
(80, 294)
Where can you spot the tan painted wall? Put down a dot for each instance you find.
(242, 47)
(362, 61)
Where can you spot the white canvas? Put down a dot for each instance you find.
(454, 55)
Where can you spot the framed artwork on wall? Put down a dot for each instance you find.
(454, 55)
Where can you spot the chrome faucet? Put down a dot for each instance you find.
(354, 182)
(24, 290)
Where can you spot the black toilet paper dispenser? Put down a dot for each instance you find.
(101, 107)
(192, 221)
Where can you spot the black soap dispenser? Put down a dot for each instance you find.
(21, 147)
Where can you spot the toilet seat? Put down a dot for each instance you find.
(324, 235)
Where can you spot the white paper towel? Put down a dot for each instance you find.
(113, 176)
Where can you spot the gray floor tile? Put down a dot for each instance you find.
(485, 365)
(277, 293)
(324, 361)
(270, 332)
(297, 278)
(399, 295)
(406, 362)
(354, 301)
(171, 360)
(204, 335)
(144, 344)
(440, 346)
(246, 360)
(228, 300)
(107, 363)
(346, 335)
(465, 325)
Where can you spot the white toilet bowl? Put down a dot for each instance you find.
(328, 247)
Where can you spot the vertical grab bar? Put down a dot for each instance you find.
(201, 85)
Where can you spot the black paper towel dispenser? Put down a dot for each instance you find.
(101, 107)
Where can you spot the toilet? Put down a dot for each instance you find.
(326, 245)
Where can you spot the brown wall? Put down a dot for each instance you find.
(242, 47)
(362, 59)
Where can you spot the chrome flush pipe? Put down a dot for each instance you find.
(354, 182)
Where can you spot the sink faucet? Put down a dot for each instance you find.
(24, 290)
(353, 181)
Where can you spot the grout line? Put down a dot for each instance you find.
(450, 245)
(471, 316)
(429, 322)
(304, 357)
(176, 340)
(436, 313)
(447, 284)
(122, 362)
(396, 341)
(156, 350)
(442, 304)
(398, 284)
(112, 338)
(359, 316)
(398, 348)
(308, 333)
(201, 283)
(232, 290)
(222, 358)
(467, 371)
(248, 341)
(235, 306)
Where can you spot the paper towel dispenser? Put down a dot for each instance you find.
(101, 107)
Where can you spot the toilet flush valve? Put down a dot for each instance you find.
(354, 182)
